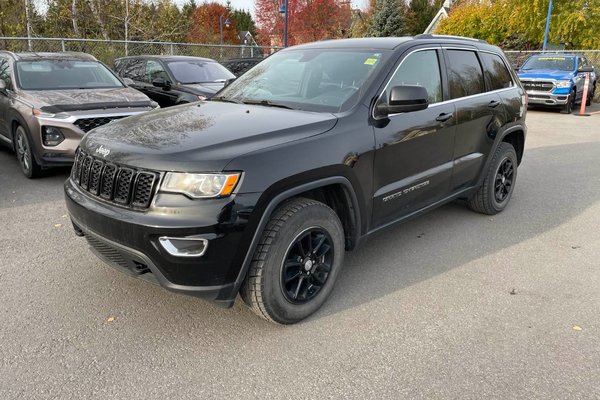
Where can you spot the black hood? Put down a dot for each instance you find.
(202, 136)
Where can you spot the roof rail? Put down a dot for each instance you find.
(431, 36)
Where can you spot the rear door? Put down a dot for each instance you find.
(413, 157)
(479, 115)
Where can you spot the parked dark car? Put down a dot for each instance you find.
(48, 101)
(262, 189)
(240, 65)
(172, 80)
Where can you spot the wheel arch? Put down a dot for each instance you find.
(516, 138)
(335, 191)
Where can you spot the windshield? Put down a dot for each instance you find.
(550, 62)
(323, 80)
(64, 74)
(199, 71)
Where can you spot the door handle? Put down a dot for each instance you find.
(443, 117)
(493, 104)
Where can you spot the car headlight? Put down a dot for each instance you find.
(198, 186)
(563, 84)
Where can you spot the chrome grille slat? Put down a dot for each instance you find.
(121, 185)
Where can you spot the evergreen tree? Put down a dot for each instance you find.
(387, 19)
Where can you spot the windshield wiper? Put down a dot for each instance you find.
(226, 99)
(267, 103)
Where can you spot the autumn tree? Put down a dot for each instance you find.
(206, 25)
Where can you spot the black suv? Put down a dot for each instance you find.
(262, 189)
(172, 80)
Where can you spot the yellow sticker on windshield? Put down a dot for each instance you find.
(552, 58)
(370, 61)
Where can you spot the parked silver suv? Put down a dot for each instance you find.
(48, 101)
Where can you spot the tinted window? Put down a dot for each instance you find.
(131, 68)
(422, 69)
(199, 71)
(550, 62)
(5, 71)
(465, 77)
(496, 72)
(154, 70)
(64, 74)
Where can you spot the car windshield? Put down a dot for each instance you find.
(322, 80)
(64, 74)
(550, 62)
(199, 71)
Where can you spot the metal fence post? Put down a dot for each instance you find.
(171, 47)
(62, 44)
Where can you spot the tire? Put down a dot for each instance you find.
(29, 166)
(568, 108)
(495, 193)
(591, 95)
(296, 263)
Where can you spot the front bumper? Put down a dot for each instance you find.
(129, 241)
(547, 98)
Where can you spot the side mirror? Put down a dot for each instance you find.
(404, 99)
(516, 67)
(162, 83)
(586, 69)
(229, 81)
(2, 86)
(128, 81)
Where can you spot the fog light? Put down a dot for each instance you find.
(52, 136)
(184, 247)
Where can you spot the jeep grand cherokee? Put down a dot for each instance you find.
(262, 189)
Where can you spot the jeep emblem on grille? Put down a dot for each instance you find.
(103, 151)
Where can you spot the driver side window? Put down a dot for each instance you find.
(421, 68)
(154, 70)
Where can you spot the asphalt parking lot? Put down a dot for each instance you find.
(450, 305)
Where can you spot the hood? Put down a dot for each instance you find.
(545, 74)
(205, 87)
(81, 99)
(201, 136)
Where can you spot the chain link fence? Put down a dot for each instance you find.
(107, 50)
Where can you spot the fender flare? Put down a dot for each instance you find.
(276, 201)
(499, 139)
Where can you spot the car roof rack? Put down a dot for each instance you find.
(431, 36)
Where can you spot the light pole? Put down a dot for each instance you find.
(283, 9)
(547, 26)
(227, 23)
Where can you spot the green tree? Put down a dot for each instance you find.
(244, 21)
(387, 19)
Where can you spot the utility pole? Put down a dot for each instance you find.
(547, 26)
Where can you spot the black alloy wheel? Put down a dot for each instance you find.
(504, 179)
(24, 153)
(307, 265)
(568, 108)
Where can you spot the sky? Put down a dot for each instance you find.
(248, 5)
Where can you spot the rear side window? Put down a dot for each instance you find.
(497, 75)
(130, 68)
(465, 76)
(5, 71)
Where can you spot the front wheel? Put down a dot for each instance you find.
(591, 95)
(24, 152)
(495, 193)
(568, 108)
(296, 263)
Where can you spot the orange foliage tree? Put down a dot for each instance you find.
(205, 25)
(308, 20)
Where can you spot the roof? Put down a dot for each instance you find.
(555, 55)
(375, 43)
(169, 58)
(69, 55)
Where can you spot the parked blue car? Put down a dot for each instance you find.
(557, 80)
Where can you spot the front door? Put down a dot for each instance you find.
(413, 158)
(4, 99)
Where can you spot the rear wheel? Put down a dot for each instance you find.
(495, 193)
(591, 95)
(296, 263)
(29, 166)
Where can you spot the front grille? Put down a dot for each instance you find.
(117, 184)
(87, 124)
(541, 86)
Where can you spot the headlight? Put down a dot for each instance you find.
(563, 84)
(200, 186)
